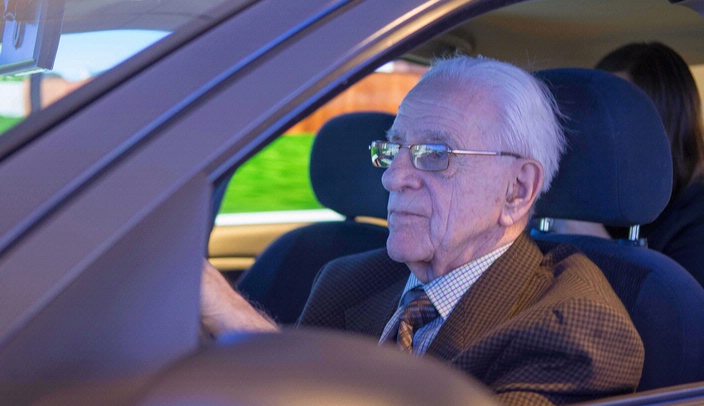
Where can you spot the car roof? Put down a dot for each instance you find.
(557, 33)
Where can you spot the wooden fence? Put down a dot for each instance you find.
(376, 92)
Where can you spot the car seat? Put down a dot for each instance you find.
(343, 180)
(618, 171)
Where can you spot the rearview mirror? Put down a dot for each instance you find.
(30, 36)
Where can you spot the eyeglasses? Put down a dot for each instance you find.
(426, 157)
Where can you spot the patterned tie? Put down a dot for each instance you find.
(417, 312)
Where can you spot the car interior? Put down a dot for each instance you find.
(608, 120)
(521, 34)
(344, 181)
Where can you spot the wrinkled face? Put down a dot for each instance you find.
(441, 220)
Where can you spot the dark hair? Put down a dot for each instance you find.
(665, 77)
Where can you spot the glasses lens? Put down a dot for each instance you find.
(383, 153)
(430, 157)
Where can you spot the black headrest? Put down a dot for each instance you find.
(617, 169)
(341, 170)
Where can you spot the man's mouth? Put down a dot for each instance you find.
(402, 214)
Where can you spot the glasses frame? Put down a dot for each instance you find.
(377, 163)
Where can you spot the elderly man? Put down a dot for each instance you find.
(471, 149)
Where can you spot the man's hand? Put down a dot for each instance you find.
(224, 310)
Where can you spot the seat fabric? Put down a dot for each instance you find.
(343, 180)
(618, 171)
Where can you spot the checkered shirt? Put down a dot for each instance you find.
(444, 293)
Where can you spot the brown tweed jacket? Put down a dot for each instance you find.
(537, 327)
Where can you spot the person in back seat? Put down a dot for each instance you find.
(474, 144)
(679, 231)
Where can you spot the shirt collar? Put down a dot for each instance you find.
(445, 291)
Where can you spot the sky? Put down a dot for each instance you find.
(83, 55)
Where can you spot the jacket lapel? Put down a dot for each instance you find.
(494, 298)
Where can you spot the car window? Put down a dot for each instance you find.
(80, 52)
(283, 164)
(78, 60)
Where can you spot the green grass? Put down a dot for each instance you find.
(8, 122)
(275, 179)
(12, 78)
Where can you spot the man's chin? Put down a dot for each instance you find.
(400, 252)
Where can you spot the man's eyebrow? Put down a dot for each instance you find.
(441, 136)
(429, 135)
(392, 134)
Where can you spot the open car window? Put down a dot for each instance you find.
(271, 193)
(283, 165)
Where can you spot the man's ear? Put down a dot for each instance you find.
(523, 189)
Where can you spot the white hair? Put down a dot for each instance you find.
(527, 114)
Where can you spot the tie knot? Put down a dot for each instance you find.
(418, 311)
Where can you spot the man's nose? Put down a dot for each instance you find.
(401, 174)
